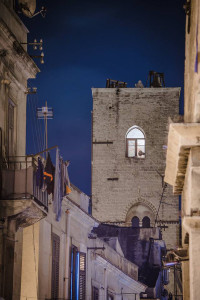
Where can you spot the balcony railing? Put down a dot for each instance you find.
(18, 180)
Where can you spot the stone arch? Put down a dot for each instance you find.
(135, 127)
(141, 208)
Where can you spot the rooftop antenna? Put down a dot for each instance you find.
(45, 113)
(155, 79)
(28, 8)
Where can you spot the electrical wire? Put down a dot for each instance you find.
(161, 198)
(35, 121)
(31, 125)
(36, 125)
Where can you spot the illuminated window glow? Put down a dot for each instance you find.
(135, 142)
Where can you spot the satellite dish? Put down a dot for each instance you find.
(28, 7)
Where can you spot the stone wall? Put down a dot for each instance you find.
(191, 74)
(120, 183)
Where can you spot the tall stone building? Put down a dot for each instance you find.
(18, 205)
(183, 156)
(130, 128)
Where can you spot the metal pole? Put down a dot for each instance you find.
(174, 281)
(46, 127)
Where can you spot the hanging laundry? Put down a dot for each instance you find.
(58, 191)
(62, 176)
(39, 174)
(49, 172)
(67, 186)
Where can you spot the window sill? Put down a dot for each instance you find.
(135, 158)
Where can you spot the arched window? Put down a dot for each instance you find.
(135, 222)
(146, 222)
(135, 142)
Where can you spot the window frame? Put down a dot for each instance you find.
(11, 128)
(77, 274)
(74, 273)
(136, 143)
(95, 293)
(110, 295)
(146, 219)
(136, 218)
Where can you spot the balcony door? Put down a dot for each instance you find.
(10, 128)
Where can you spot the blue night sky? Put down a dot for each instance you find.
(86, 42)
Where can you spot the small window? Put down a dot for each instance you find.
(95, 293)
(10, 128)
(135, 142)
(135, 222)
(146, 222)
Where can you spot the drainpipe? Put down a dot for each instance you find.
(105, 284)
(67, 251)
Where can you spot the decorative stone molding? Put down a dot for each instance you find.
(24, 211)
(181, 138)
(191, 223)
(14, 49)
(139, 201)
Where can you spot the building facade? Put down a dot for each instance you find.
(130, 128)
(64, 260)
(19, 204)
(183, 156)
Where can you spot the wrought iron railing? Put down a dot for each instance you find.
(18, 180)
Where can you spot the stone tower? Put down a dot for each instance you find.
(129, 138)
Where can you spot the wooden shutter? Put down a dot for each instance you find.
(55, 266)
(82, 277)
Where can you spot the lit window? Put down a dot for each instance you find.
(135, 142)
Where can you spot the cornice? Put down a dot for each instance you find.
(83, 216)
(181, 138)
(15, 50)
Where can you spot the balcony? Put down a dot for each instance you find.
(21, 199)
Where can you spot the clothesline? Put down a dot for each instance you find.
(55, 179)
(46, 150)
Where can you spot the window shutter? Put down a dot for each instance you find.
(55, 266)
(82, 277)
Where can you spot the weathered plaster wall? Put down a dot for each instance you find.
(30, 258)
(73, 229)
(16, 67)
(191, 80)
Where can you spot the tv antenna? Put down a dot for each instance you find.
(28, 8)
(45, 113)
